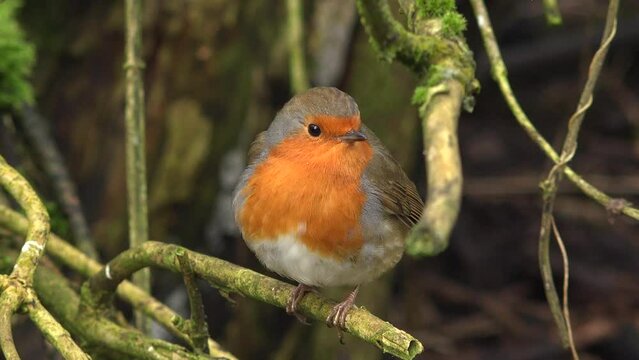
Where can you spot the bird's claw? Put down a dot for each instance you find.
(293, 301)
(337, 318)
(338, 314)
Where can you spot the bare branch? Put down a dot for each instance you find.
(565, 307)
(297, 61)
(549, 186)
(500, 74)
(135, 143)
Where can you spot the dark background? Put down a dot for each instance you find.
(216, 73)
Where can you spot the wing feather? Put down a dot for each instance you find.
(396, 192)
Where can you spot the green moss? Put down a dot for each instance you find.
(419, 96)
(453, 24)
(435, 8)
(17, 57)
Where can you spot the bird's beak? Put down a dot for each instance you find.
(352, 136)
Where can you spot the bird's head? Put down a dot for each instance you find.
(319, 121)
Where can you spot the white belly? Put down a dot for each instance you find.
(289, 257)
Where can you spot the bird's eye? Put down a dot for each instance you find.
(314, 130)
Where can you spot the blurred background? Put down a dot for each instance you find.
(217, 72)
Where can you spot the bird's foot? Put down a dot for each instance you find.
(296, 297)
(337, 317)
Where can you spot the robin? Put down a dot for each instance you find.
(322, 201)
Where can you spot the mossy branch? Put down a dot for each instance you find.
(17, 288)
(55, 334)
(135, 142)
(38, 231)
(68, 255)
(228, 278)
(196, 326)
(436, 51)
(98, 332)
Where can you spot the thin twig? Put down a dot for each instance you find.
(568, 150)
(135, 143)
(232, 278)
(196, 326)
(565, 307)
(295, 32)
(51, 160)
(586, 98)
(499, 71)
(550, 185)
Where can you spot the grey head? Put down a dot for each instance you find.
(315, 101)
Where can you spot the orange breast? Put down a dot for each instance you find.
(310, 189)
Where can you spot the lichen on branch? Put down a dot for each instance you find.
(17, 288)
(435, 50)
(230, 278)
(79, 262)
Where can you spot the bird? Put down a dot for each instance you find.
(322, 202)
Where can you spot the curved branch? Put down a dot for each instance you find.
(500, 74)
(439, 55)
(228, 277)
(17, 290)
(550, 185)
(38, 231)
(79, 262)
(57, 295)
(55, 334)
(443, 164)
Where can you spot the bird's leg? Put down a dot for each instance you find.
(337, 317)
(296, 297)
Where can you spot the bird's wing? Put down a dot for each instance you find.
(389, 183)
(257, 148)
